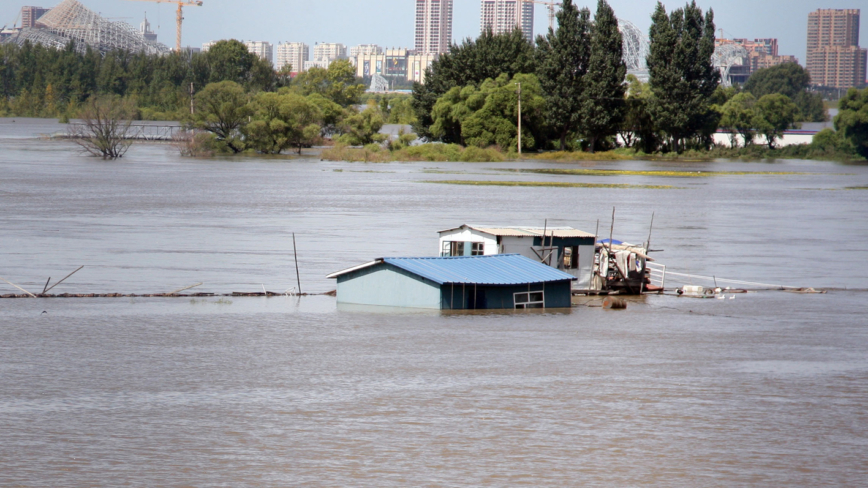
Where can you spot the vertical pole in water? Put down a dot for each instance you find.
(519, 126)
(294, 253)
(612, 231)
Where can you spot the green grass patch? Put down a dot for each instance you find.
(373, 153)
(676, 174)
(551, 184)
(580, 156)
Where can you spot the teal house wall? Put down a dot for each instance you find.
(388, 285)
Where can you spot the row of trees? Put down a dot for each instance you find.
(580, 71)
(236, 120)
(43, 81)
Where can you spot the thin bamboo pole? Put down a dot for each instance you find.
(64, 279)
(16, 286)
(295, 254)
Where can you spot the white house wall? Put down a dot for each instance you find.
(470, 235)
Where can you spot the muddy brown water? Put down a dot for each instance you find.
(765, 389)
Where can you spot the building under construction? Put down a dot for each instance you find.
(70, 21)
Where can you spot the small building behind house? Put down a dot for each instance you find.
(479, 282)
(565, 248)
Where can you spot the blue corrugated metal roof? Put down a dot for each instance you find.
(498, 269)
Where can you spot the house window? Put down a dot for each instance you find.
(456, 248)
(529, 299)
(477, 249)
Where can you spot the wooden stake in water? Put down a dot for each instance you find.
(61, 281)
(295, 254)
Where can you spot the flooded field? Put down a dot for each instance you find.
(766, 389)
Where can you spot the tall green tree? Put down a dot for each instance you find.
(496, 121)
(683, 78)
(364, 127)
(280, 121)
(337, 83)
(470, 63)
(852, 119)
(792, 80)
(563, 56)
(603, 108)
(229, 60)
(739, 117)
(222, 109)
(775, 114)
(638, 129)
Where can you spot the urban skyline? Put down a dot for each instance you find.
(358, 24)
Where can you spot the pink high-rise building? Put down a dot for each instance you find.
(433, 26)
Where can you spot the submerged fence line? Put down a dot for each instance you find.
(736, 282)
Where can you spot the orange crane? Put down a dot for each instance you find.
(181, 4)
(551, 7)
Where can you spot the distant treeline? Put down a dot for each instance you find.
(39, 81)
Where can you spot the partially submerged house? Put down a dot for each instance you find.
(564, 248)
(502, 281)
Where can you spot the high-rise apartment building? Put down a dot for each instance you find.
(834, 56)
(355, 51)
(505, 15)
(329, 51)
(829, 27)
(29, 15)
(433, 26)
(263, 49)
(292, 53)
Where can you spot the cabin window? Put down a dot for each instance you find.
(446, 250)
(571, 257)
(529, 299)
(477, 249)
(453, 248)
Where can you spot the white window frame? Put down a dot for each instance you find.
(522, 299)
(480, 246)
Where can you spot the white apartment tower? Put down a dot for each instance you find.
(433, 26)
(505, 15)
(261, 48)
(329, 51)
(294, 54)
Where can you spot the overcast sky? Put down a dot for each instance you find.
(389, 23)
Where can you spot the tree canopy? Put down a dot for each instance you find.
(563, 57)
(470, 63)
(683, 78)
(792, 80)
(852, 119)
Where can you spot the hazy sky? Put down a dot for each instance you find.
(389, 23)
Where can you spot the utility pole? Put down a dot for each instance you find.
(191, 98)
(519, 118)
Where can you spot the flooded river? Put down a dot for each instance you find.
(767, 389)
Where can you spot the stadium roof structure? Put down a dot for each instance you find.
(70, 21)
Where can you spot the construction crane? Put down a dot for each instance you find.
(551, 7)
(181, 4)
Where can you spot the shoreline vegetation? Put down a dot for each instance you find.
(434, 152)
(564, 97)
